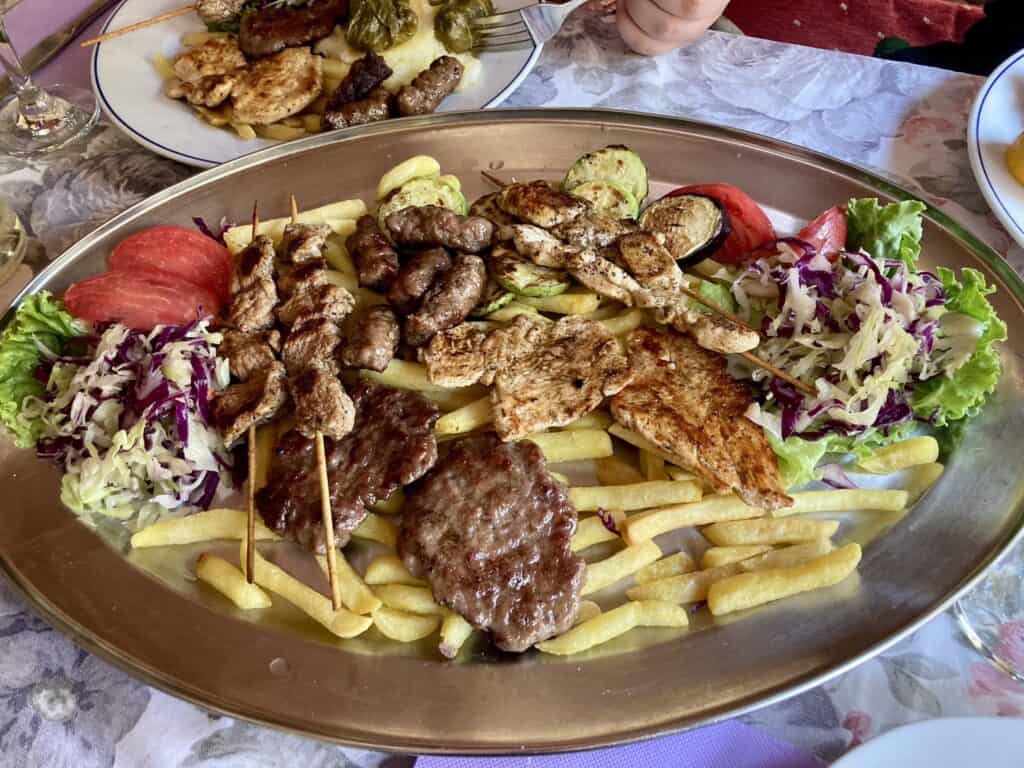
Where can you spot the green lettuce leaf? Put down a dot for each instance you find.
(885, 231)
(718, 294)
(40, 327)
(799, 458)
(951, 398)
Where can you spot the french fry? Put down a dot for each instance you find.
(769, 531)
(748, 590)
(641, 442)
(678, 473)
(786, 557)
(673, 565)
(568, 303)
(449, 400)
(685, 588)
(573, 444)
(340, 216)
(342, 622)
(404, 375)
(356, 596)
(455, 631)
(312, 123)
(477, 414)
(652, 466)
(620, 565)
(591, 531)
(588, 610)
(218, 117)
(906, 453)
(595, 420)
(606, 311)
(392, 505)
(198, 37)
(338, 257)
(644, 495)
(349, 282)
(613, 470)
(403, 597)
(330, 86)
(244, 131)
(402, 626)
(413, 168)
(164, 68)
(278, 132)
(844, 501)
(292, 121)
(626, 322)
(230, 582)
(201, 526)
(710, 509)
(389, 569)
(921, 479)
(715, 556)
(514, 309)
(612, 624)
(379, 529)
(334, 69)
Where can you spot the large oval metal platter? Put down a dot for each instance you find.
(141, 611)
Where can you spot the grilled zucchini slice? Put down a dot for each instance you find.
(608, 198)
(693, 225)
(615, 163)
(495, 297)
(420, 192)
(521, 276)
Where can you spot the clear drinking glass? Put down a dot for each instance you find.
(992, 614)
(33, 120)
(13, 241)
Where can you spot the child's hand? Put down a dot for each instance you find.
(652, 27)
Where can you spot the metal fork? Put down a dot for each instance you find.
(522, 28)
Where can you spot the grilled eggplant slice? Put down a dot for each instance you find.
(615, 163)
(608, 198)
(693, 225)
(521, 276)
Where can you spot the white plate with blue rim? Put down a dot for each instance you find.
(997, 119)
(955, 742)
(129, 87)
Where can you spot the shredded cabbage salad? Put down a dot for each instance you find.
(129, 422)
(886, 346)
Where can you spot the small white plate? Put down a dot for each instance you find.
(997, 119)
(130, 90)
(956, 742)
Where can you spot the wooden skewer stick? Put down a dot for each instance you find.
(140, 25)
(748, 356)
(325, 492)
(250, 539)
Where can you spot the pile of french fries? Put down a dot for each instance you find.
(736, 557)
(306, 123)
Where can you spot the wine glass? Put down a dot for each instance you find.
(992, 614)
(34, 120)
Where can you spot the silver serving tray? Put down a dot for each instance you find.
(142, 613)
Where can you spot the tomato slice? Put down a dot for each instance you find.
(827, 233)
(178, 253)
(139, 300)
(750, 224)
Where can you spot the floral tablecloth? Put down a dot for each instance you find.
(62, 708)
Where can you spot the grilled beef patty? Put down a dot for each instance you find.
(391, 444)
(490, 529)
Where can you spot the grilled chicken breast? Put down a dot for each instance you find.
(278, 87)
(683, 400)
(217, 56)
(540, 203)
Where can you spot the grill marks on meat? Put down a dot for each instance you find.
(310, 344)
(277, 87)
(360, 97)
(591, 230)
(415, 276)
(246, 353)
(304, 277)
(327, 301)
(322, 404)
(430, 87)
(253, 292)
(448, 301)
(457, 357)
(273, 29)
(490, 529)
(376, 260)
(434, 225)
(373, 342)
(208, 92)
(391, 444)
(540, 203)
(683, 400)
(301, 243)
(250, 403)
